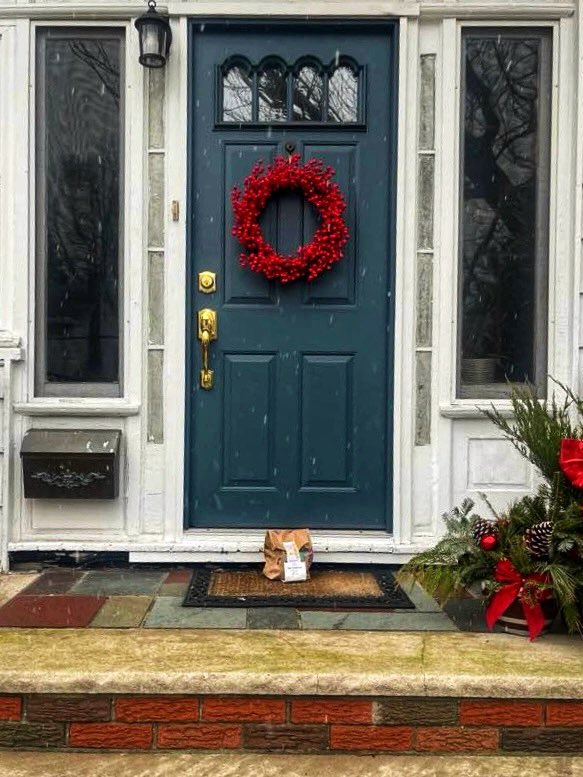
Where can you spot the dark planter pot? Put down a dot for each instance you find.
(514, 622)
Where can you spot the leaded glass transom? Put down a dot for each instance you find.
(307, 91)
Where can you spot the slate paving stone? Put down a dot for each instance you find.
(14, 583)
(273, 618)
(377, 621)
(54, 581)
(173, 589)
(120, 582)
(50, 612)
(122, 612)
(168, 613)
(421, 599)
(152, 597)
(179, 576)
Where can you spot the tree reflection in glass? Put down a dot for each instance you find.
(272, 92)
(499, 210)
(308, 94)
(80, 158)
(237, 95)
(343, 95)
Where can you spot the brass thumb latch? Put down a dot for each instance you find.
(207, 332)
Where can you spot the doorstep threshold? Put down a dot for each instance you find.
(237, 546)
(246, 546)
(283, 662)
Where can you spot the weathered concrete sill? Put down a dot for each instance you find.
(287, 662)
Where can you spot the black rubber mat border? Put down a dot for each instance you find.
(393, 598)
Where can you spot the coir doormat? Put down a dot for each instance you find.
(331, 586)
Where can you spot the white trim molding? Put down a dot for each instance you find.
(9, 353)
(474, 409)
(77, 11)
(80, 11)
(78, 407)
(511, 10)
(236, 545)
(85, 10)
(292, 8)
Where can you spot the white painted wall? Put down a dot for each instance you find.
(465, 457)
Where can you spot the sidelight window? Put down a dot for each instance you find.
(79, 151)
(504, 239)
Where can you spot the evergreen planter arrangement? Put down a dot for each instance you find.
(529, 559)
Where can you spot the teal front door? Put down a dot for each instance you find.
(296, 428)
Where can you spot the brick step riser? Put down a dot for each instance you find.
(291, 724)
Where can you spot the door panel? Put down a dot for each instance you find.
(296, 429)
(327, 421)
(248, 428)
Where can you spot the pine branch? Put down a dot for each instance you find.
(489, 505)
(445, 568)
(538, 427)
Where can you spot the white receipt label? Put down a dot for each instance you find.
(294, 573)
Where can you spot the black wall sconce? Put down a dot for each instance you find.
(155, 37)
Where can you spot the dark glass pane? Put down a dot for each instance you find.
(81, 163)
(237, 98)
(343, 95)
(308, 93)
(272, 85)
(502, 129)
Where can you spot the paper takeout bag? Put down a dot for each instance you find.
(288, 554)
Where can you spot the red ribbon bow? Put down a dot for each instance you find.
(520, 587)
(571, 460)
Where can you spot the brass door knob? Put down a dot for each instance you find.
(207, 282)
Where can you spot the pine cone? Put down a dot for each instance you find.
(480, 528)
(537, 539)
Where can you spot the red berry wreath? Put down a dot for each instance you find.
(313, 179)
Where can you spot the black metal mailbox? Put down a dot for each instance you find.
(71, 463)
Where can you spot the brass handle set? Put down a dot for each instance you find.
(207, 328)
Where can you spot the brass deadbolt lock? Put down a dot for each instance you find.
(207, 282)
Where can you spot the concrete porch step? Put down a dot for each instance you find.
(188, 765)
(326, 693)
(336, 663)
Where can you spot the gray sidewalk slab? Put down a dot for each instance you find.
(261, 765)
